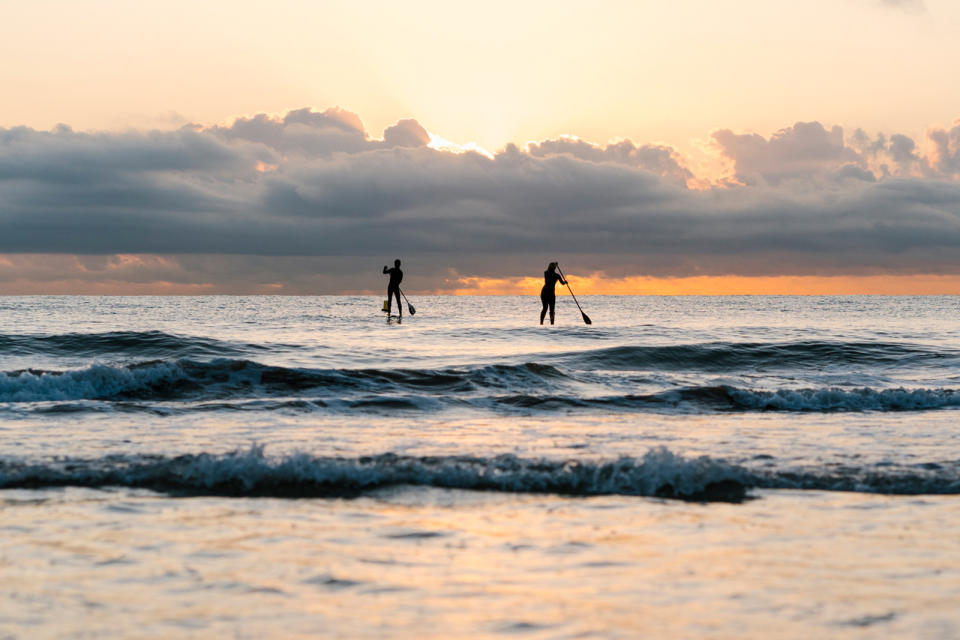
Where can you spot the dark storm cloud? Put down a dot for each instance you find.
(281, 198)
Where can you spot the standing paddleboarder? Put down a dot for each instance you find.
(393, 288)
(547, 295)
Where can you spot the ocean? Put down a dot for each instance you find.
(292, 467)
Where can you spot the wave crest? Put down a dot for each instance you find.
(134, 344)
(526, 387)
(731, 356)
(727, 398)
(658, 473)
(832, 399)
(171, 380)
(251, 473)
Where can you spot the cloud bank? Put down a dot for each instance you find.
(311, 202)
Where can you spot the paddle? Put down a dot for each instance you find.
(409, 306)
(586, 318)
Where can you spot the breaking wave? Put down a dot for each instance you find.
(251, 473)
(832, 399)
(726, 398)
(188, 379)
(658, 473)
(244, 384)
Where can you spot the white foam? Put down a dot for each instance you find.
(252, 472)
(834, 399)
(96, 381)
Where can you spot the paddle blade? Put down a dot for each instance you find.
(413, 311)
(586, 318)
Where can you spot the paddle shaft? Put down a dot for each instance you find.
(571, 293)
(409, 306)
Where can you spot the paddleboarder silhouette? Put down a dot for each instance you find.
(547, 295)
(393, 287)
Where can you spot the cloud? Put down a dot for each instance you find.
(305, 132)
(406, 133)
(660, 160)
(309, 200)
(945, 158)
(301, 131)
(807, 151)
(804, 150)
(915, 6)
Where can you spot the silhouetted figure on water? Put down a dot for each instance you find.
(547, 295)
(393, 288)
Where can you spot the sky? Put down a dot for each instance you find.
(294, 148)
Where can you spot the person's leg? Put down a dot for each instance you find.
(543, 311)
(396, 292)
(553, 307)
(389, 299)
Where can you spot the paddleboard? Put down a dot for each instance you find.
(390, 316)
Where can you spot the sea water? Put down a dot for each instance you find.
(305, 467)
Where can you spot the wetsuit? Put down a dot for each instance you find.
(393, 288)
(547, 295)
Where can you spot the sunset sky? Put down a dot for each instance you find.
(685, 147)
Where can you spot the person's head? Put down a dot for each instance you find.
(396, 263)
(552, 266)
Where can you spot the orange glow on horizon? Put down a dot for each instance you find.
(598, 284)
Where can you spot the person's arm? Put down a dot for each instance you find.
(385, 270)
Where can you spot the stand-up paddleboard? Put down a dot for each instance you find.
(386, 307)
